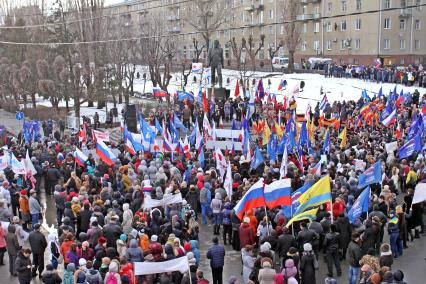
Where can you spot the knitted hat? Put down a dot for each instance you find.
(123, 237)
(307, 247)
(187, 246)
(82, 262)
(23, 192)
(265, 247)
(154, 238)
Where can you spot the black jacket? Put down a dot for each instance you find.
(84, 218)
(51, 277)
(53, 174)
(305, 236)
(38, 242)
(285, 241)
(331, 241)
(21, 266)
(112, 232)
(354, 254)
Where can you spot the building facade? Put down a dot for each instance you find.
(348, 31)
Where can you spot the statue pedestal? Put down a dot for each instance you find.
(219, 94)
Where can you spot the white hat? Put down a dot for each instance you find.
(82, 262)
(154, 238)
(246, 220)
(307, 247)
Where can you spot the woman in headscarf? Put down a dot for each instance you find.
(54, 250)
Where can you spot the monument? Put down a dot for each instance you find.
(215, 62)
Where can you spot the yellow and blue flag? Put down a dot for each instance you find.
(307, 215)
(318, 194)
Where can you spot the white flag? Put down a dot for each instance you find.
(17, 166)
(228, 182)
(180, 264)
(419, 193)
(28, 164)
(284, 163)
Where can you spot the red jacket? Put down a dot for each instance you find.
(127, 269)
(246, 235)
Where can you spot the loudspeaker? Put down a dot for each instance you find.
(131, 120)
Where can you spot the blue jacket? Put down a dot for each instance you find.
(195, 251)
(216, 254)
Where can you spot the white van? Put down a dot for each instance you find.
(280, 62)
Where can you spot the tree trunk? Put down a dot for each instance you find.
(67, 104)
(33, 99)
(120, 96)
(90, 103)
(291, 61)
(77, 107)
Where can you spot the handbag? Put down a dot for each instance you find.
(60, 259)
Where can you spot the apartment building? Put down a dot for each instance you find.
(348, 31)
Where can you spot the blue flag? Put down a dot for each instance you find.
(326, 146)
(360, 205)
(158, 126)
(201, 156)
(303, 135)
(179, 125)
(272, 147)
(257, 159)
(414, 144)
(380, 95)
(365, 96)
(371, 175)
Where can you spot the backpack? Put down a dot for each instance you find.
(68, 278)
(81, 277)
(111, 278)
(92, 278)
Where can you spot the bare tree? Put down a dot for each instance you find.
(292, 29)
(253, 49)
(207, 16)
(272, 51)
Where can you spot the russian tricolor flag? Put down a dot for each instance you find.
(253, 198)
(80, 157)
(129, 147)
(282, 85)
(388, 121)
(105, 153)
(158, 92)
(278, 193)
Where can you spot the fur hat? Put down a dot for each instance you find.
(307, 247)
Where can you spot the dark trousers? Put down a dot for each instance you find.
(227, 230)
(217, 275)
(12, 259)
(38, 262)
(333, 257)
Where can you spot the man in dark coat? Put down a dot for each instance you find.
(284, 243)
(345, 230)
(305, 236)
(52, 176)
(23, 266)
(216, 254)
(84, 218)
(112, 232)
(354, 256)
(192, 197)
(331, 244)
(38, 245)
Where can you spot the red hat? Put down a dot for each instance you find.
(23, 192)
(102, 240)
(187, 246)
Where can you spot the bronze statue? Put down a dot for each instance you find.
(215, 62)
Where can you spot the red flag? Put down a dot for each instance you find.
(398, 133)
(237, 89)
(205, 102)
(82, 135)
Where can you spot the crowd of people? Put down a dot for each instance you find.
(103, 229)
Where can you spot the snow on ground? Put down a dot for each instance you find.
(337, 89)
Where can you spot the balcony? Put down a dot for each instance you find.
(174, 30)
(249, 8)
(405, 13)
(304, 17)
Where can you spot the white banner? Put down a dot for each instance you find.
(101, 136)
(419, 193)
(167, 199)
(145, 268)
(197, 67)
(390, 147)
(4, 161)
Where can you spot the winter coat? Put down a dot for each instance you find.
(248, 264)
(21, 266)
(112, 232)
(284, 243)
(2, 238)
(38, 242)
(354, 254)
(332, 241)
(216, 204)
(134, 253)
(84, 218)
(127, 219)
(192, 198)
(196, 251)
(266, 274)
(93, 275)
(306, 236)
(34, 205)
(307, 267)
(12, 244)
(345, 230)
(5, 214)
(51, 277)
(246, 235)
(121, 248)
(216, 254)
(65, 248)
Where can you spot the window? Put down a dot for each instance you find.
(329, 7)
(417, 44)
(357, 24)
(344, 5)
(387, 4)
(262, 54)
(357, 43)
(358, 4)
(304, 9)
(403, 3)
(328, 44)
(304, 46)
(271, 30)
(262, 30)
(387, 23)
(417, 25)
(316, 27)
(305, 27)
(329, 27)
(343, 25)
(342, 44)
(386, 43)
(402, 61)
(261, 17)
(271, 14)
(282, 29)
(316, 45)
(402, 44)
(316, 9)
(402, 24)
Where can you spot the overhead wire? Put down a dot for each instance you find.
(204, 31)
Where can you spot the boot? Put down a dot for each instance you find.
(416, 234)
(214, 229)
(218, 230)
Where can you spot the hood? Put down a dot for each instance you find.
(126, 206)
(168, 249)
(113, 267)
(289, 263)
(11, 229)
(194, 244)
(133, 243)
(51, 237)
(71, 267)
(218, 196)
(228, 205)
(207, 185)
